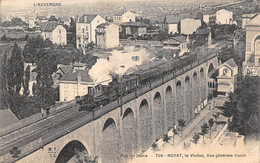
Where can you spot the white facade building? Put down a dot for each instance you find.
(86, 29)
(107, 35)
(227, 78)
(55, 32)
(251, 66)
(224, 17)
(122, 17)
(189, 26)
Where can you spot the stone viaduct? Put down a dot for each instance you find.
(145, 116)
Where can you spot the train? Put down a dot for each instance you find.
(101, 95)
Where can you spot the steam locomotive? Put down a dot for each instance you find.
(101, 95)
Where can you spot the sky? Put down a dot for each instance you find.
(30, 2)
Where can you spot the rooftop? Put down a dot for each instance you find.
(134, 24)
(176, 39)
(103, 25)
(7, 117)
(72, 75)
(87, 18)
(231, 62)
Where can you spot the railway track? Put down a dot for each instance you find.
(19, 136)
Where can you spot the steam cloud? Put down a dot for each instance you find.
(119, 62)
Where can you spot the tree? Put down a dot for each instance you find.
(16, 70)
(26, 81)
(45, 68)
(229, 106)
(211, 123)
(216, 119)
(166, 138)
(181, 123)
(195, 138)
(246, 114)
(186, 145)
(34, 89)
(204, 130)
(155, 146)
(3, 38)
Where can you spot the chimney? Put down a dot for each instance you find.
(79, 78)
(209, 39)
(85, 18)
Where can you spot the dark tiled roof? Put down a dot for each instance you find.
(50, 26)
(89, 18)
(203, 31)
(72, 76)
(42, 17)
(64, 19)
(231, 62)
(209, 12)
(52, 18)
(119, 13)
(171, 19)
(134, 24)
(180, 39)
(103, 25)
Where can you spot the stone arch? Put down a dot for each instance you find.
(110, 150)
(179, 100)
(203, 85)
(187, 98)
(170, 112)
(70, 150)
(129, 133)
(158, 115)
(257, 45)
(195, 76)
(195, 92)
(211, 69)
(145, 125)
(202, 73)
(256, 37)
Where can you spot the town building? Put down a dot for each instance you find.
(170, 24)
(75, 82)
(133, 28)
(207, 16)
(107, 35)
(54, 31)
(122, 17)
(227, 78)
(246, 18)
(33, 22)
(224, 17)
(252, 54)
(86, 29)
(64, 20)
(189, 25)
(178, 43)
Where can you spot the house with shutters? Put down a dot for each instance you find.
(86, 29)
(227, 78)
(122, 17)
(107, 35)
(170, 24)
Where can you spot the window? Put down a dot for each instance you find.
(66, 94)
(248, 72)
(86, 28)
(225, 71)
(83, 30)
(97, 21)
(59, 31)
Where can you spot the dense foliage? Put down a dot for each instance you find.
(244, 106)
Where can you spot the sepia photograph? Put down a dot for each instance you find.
(129, 81)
